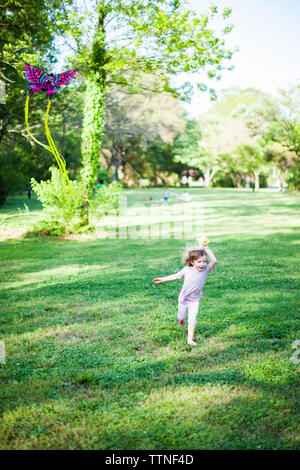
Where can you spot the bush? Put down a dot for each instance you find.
(223, 181)
(109, 196)
(293, 179)
(64, 206)
(61, 203)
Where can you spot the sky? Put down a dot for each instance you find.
(267, 34)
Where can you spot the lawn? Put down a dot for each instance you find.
(95, 358)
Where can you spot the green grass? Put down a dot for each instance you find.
(95, 358)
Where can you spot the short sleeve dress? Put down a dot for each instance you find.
(193, 283)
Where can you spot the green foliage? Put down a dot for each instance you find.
(61, 204)
(158, 37)
(223, 180)
(109, 196)
(198, 147)
(27, 34)
(140, 129)
(277, 125)
(91, 132)
(293, 178)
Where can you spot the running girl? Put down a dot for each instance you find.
(194, 279)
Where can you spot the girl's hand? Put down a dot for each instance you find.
(157, 280)
(203, 242)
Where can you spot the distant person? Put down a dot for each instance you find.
(166, 195)
(29, 192)
(21, 192)
(194, 274)
(185, 197)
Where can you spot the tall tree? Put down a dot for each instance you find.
(138, 119)
(276, 121)
(133, 38)
(27, 34)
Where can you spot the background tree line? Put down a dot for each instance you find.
(121, 118)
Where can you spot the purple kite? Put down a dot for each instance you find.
(40, 80)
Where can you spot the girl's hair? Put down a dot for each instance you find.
(192, 255)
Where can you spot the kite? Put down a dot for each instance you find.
(50, 83)
(40, 80)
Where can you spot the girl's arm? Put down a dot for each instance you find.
(172, 277)
(213, 259)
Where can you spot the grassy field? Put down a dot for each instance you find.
(95, 358)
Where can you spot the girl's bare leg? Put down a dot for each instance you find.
(191, 331)
(193, 311)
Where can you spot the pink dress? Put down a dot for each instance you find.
(193, 283)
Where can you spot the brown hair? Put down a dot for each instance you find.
(192, 255)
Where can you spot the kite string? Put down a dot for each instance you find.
(59, 161)
(49, 148)
(27, 125)
(59, 158)
(53, 150)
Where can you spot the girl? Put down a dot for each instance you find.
(194, 278)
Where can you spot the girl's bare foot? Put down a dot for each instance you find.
(192, 343)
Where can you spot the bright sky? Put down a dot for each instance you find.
(267, 34)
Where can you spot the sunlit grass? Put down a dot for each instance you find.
(95, 358)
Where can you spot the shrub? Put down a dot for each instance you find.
(64, 207)
(61, 204)
(109, 196)
(293, 179)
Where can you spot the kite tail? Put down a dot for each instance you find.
(27, 125)
(49, 148)
(58, 157)
(62, 161)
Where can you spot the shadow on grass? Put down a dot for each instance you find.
(117, 334)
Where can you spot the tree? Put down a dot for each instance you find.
(136, 121)
(190, 150)
(254, 162)
(27, 34)
(282, 158)
(157, 36)
(228, 138)
(213, 138)
(284, 127)
(277, 121)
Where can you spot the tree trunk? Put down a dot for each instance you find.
(116, 164)
(247, 181)
(239, 181)
(208, 175)
(93, 115)
(281, 182)
(91, 139)
(256, 180)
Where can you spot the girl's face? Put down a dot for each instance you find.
(199, 263)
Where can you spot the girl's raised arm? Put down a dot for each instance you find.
(213, 259)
